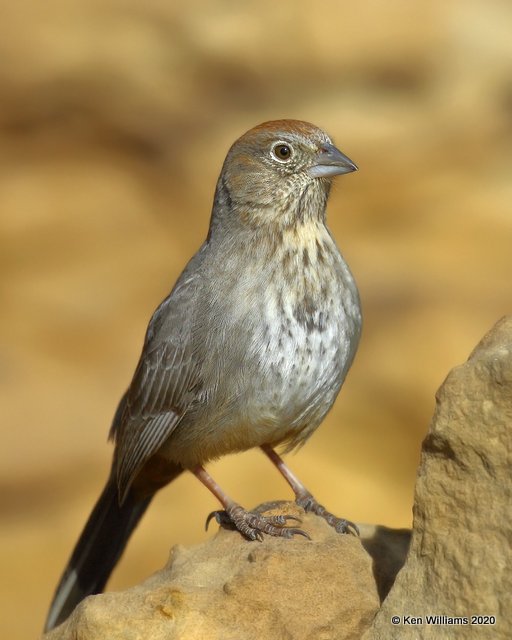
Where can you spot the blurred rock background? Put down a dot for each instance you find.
(115, 117)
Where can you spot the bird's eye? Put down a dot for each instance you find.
(282, 152)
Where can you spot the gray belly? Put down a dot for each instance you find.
(279, 396)
(300, 375)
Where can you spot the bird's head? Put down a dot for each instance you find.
(280, 172)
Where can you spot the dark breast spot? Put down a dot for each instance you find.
(287, 260)
(319, 252)
(307, 315)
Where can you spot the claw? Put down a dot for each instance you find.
(289, 532)
(340, 525)
(351, 527)
(212, 514)
(292, 518)
(281, 520)
(254, 526)
(221, 517)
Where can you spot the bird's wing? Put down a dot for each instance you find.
(164, 385)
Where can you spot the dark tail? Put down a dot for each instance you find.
(100, 546)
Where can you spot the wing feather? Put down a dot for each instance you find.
(164, 385)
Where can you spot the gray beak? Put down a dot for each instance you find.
(331, 162)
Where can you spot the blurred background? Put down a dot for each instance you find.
(115, 117)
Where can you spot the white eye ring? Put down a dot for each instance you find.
(282, 151)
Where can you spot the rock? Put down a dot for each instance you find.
(228, 587)
(459, 563)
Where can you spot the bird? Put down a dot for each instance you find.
(250, 349)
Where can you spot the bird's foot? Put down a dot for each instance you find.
(309, 504)
(253, 525)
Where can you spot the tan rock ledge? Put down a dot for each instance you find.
(228, 587)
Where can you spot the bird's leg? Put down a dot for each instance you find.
(251, 525)
(305, 499)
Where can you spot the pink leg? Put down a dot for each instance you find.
(305, 499)
(251, 525)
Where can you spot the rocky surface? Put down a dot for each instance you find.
(459, 562)
(229, 588)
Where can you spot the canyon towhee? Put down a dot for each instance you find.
(250, 348)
